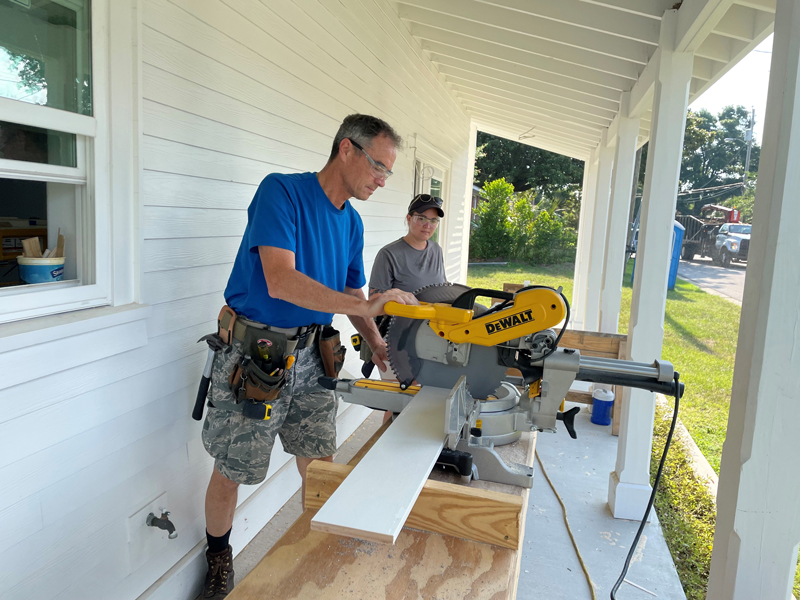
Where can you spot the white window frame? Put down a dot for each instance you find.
(110, 188)
(427, 155)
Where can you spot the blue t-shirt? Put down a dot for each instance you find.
(292, 212)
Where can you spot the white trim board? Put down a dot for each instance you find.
(375, 500)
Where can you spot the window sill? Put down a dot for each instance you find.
(23, 334)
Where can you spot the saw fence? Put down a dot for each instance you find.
(590, 343)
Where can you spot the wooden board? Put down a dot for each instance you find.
(374, 502)
(451, 509)
(311, 565)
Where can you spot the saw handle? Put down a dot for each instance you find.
(410, 311)
(434, 312)
(569, 421)
(467, 299)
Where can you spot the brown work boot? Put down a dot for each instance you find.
(219, 579)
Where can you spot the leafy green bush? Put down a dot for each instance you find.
(491, 237)
(511, 227)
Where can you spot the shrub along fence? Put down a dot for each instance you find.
(506, 226)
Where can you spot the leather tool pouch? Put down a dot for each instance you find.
(250, 383)
(331, 350)
(261, 372)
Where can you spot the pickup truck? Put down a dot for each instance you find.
(732, 243)
(716, 233)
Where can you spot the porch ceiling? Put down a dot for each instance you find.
(551, 73)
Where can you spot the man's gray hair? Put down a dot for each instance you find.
(362, 129)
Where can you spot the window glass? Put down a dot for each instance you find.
(32, 144)
(38, 209)
(45, 53)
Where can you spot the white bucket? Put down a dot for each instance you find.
(40, 270)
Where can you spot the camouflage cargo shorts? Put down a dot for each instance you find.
(304, 415)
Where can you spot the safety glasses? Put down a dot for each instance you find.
(378, 170)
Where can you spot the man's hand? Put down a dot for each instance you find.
(377, 301)
(381, 358)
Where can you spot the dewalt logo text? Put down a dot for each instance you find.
(525, 316)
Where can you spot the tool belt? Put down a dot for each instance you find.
(267, 355)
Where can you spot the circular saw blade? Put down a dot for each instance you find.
(483, 372)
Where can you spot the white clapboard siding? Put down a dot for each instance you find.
(173, 189)
(231, 90)
(187, 312)
(229, 108)
(170, 253)
(77, 384)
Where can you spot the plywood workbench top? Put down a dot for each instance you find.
(306, 564)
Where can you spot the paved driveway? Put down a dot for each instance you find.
(728, 283)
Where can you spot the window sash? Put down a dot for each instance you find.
(92, 172)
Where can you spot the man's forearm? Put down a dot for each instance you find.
(303, 291)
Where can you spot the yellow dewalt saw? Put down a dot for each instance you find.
(450, 342)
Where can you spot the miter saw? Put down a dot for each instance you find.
(449, 341)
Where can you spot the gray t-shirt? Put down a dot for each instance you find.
(400, 266)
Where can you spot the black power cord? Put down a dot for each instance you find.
(650, 502)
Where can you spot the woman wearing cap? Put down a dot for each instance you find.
(414, 261)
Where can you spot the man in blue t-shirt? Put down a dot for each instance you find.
(299, 263)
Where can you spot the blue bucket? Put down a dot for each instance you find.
(40, 270)
(602, 403)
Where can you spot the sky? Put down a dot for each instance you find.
(744, 84)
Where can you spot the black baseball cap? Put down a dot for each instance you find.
(423, 202)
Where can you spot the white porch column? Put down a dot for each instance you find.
(597, 247)
(758, 522)
(584, 240)
(629, 484)
(617, 228)
(465, 224)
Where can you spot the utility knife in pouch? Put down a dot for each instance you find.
(331, 350)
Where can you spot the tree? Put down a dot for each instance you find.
(524, 166)
(709, 160)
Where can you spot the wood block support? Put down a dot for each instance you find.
(450, 509)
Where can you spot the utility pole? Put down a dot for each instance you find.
(748, 137)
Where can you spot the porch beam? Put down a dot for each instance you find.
(527, 114)
(758, 524)
(503, 51)
(528, 117)
(568, 54)
(529, 121)
(505, 90)
(605, 109)
(515, 22)
(520, 130)
(588, 16)
(584, 240)
(501, 130)
(743, 23)
(696, 20)
(629, 484)
(720, 48)
(571, 86)
(597, 236)
(617, 228)
(764, 5)
(649, 8)
(522, 76)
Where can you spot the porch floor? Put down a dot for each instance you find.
(579, 470)
(550, 569)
